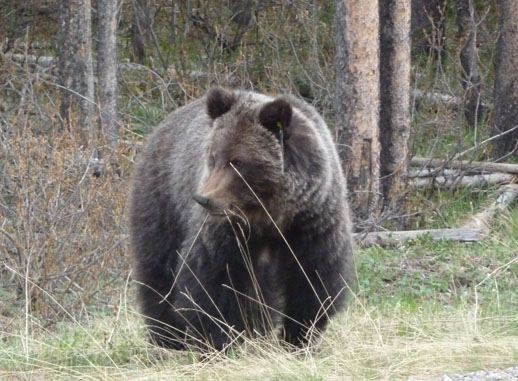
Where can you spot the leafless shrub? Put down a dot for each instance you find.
(60, 226)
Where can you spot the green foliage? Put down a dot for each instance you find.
(425, 271)
(146, 118)
(443, 208)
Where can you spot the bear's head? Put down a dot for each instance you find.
(245, 158)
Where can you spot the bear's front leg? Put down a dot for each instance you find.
(157, 308)
(201, 310)
(205, 305)
(306, 313)
(316, 289)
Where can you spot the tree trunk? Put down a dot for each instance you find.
(141, 28)
(357, 101)
(506, 80)
(471, 80)
(107, 69)
(242, 16)
(394, 97)
(75, 66)
(172, 23)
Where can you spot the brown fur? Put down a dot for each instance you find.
(210, 262)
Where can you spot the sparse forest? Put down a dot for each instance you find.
(421, 98)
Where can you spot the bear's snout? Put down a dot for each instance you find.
(213, 205)
(203, 201)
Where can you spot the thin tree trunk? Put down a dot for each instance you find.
(471, 80)
(506, 79)
(107, 69)
(76, 68)
(357, 101)
(242, 16)
(394, 96)
(172, 23)
(141, 32)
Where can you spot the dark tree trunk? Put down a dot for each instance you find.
(394, 97)
(242, 16)
(471, 80)
(141, 29)
(357, 101)
(76, 67)
(107, 69)
(506, 80)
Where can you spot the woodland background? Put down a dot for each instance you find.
(82, 83)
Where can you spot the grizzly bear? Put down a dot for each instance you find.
(239, 223)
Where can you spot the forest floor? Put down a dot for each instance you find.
(421, 311)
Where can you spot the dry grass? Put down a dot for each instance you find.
(362, 343)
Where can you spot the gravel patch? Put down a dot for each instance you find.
(482, 375)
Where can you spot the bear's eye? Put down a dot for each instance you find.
(236, 163)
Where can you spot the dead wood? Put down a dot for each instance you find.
(483, 219)
(44, 62)
(396, 238)
(460, 181)
(437, 98)
(434, 172)
(473, 229)
(464, 164)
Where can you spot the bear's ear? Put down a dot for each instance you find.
(219, 101)
(276, 117)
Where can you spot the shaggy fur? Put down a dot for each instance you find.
(210, 263)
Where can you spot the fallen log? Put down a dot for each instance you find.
(434, 172)
(436, 98)
(33, 60)
(45, 62)
(483, 219)
(396, 238)
(472, 230)
(459, 181)
(48, 61)
(464, 164)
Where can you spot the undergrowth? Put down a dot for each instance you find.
(425, 309)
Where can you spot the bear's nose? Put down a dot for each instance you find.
(203, 201)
